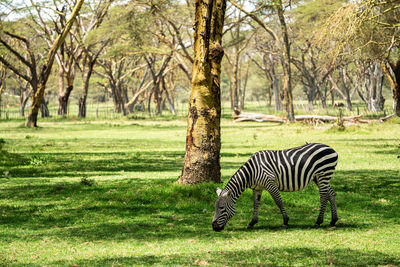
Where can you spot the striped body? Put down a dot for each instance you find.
(291, 169)
(283, 170)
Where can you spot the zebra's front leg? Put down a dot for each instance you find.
(274, 191)
(256, 204)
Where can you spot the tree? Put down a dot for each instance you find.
(37, 78)
(46, 68)
(238, 41)
(270, 60)
(368, 31)
(203, 141)
(90, 47)
(283, 46)
(48, 27)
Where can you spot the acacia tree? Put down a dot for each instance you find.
(269, 62)
(48, 25)
(90, 46)
(37, 78)
(283, 46)
(370, 31)
(203, 141)
(238, 41)
(46, 67)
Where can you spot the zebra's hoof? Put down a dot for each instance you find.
(250, 226)
(333, 223)
(285, 226)
(317, 225)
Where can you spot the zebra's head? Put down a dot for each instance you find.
(224, 209)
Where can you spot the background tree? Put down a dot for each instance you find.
(368, 31)
(283, 46)
(38, 77)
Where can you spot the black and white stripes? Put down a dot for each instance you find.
(280, 170)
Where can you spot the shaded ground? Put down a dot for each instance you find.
(111, 200)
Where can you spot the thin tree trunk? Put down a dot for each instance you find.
(63, 101)
(277, 97)
(61, 86)
(287, 76)
(44, 109)
(2, 86)
(82, 99)
(243, 92)
(394, 83)
(170, 103)
(235, 84)
(235, 71)
(24, 97)
(203, 140)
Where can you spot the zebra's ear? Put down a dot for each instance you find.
(219, 190)
(227, 193)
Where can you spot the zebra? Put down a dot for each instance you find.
(287, 170)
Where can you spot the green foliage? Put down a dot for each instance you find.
(133, 212)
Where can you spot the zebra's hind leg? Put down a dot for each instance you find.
(332, 200)
(273, 190)
(324, 196)
(256, 204)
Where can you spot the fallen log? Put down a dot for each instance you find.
(259, 117)
(383, 119)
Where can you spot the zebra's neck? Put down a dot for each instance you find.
(239, 182)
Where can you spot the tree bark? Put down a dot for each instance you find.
(203, 141)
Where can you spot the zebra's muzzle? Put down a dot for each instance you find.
(216, 227)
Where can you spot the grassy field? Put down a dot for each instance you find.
(79, 193)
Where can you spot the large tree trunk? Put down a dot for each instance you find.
(46, 69)
(203, 141)
(287, 76)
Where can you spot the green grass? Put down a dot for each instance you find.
(103, 194)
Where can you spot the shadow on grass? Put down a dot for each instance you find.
(159, 209)
(256, 256)
(73, 164)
